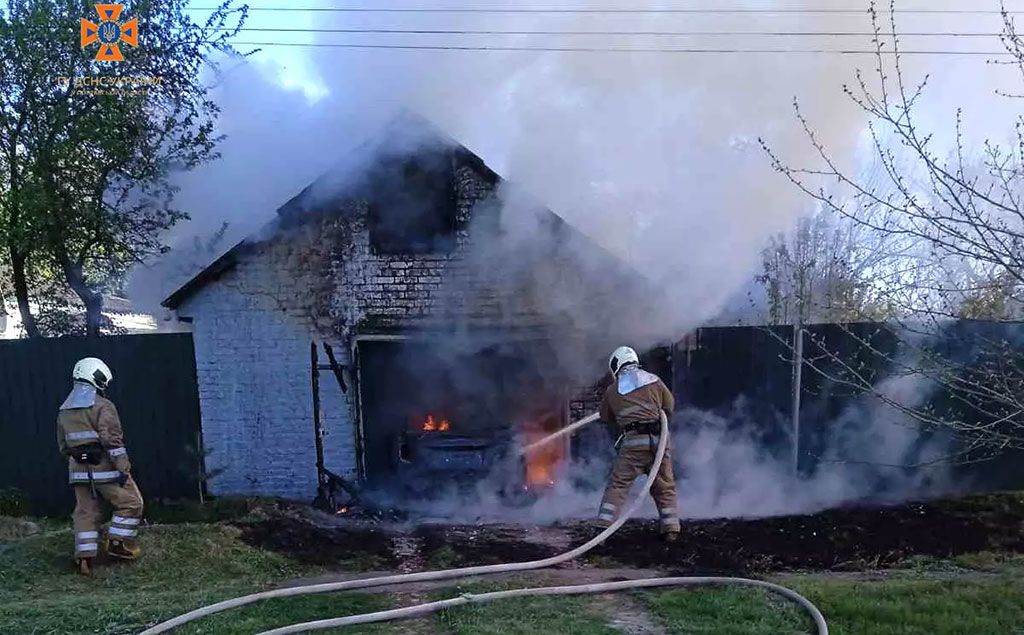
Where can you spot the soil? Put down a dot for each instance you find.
(853, 538)
(490, 544)
(307, 536)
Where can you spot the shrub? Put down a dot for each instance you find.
(13, 502)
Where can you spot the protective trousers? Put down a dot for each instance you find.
(636, 455)
(88, 516)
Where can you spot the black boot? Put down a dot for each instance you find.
(122, 550)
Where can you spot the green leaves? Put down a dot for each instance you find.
(87, 148)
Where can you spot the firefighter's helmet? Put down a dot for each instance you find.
(622, 356)
(93, 371)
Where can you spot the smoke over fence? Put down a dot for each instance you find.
(653, 157)
(733, 442)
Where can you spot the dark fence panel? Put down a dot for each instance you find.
(156, 395)
(746, 375)
(742, 373)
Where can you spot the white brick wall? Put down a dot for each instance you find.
(252, 360)
(253, 325)
(401, 290)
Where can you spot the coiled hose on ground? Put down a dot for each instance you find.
(424, 576)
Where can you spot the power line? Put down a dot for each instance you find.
(586, 49)
(604, 33)
(613, 11)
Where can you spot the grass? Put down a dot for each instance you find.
(726, 611)
(184, 566)
(188, 565)
(921, 607)
(909, 603)
(443, 557)
(526, 616)
(187, 511)
(15, 528)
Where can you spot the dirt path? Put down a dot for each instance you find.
(408, 551)
(627, 615)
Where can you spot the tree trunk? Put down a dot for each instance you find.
(20, 279)
(92, 300)
(93, 313)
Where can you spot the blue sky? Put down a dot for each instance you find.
(290, 67)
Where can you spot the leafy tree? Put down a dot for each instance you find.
(87, 147)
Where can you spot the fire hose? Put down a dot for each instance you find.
(425, 576)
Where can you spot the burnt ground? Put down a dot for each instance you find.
(852, 538)
(312, 540)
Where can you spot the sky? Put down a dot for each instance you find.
(655, 155)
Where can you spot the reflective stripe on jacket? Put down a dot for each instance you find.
(640, 441)
(79, 475)
(97, 424)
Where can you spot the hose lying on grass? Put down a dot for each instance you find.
(420, 610)
(447, 574)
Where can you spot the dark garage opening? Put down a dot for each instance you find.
(434, 417)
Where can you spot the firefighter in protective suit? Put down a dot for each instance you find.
(631, 407)
(89, 434)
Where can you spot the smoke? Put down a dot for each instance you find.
(728, 467)
(871, 453)
(653, 156)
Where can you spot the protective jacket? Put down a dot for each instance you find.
(635, 399)
(632, 407)
(89, 434)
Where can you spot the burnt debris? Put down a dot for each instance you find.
(854, 538)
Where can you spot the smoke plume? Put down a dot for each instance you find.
(654, 156)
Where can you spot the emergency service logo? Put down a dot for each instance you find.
(109, 32)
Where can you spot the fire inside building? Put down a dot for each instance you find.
(453, 334)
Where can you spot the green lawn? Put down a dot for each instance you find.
(894, 607)
(185, 566)
(571, 615)
(727, 611)
(922, 607)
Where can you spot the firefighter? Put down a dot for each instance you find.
(89, 434)
(631, 408)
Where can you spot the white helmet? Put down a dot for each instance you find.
(93, 371)
(623, 355)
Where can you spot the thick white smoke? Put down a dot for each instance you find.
(653, 155)
(725, 468)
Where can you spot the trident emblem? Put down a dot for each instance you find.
(109, 32)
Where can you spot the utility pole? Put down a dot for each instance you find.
(798, 363)
(798, 366)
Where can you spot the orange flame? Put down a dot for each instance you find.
(542, 463)
(436, 426)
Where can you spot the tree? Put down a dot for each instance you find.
(822, 272)
(5, 284)
(964, 219)
(88, 146)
